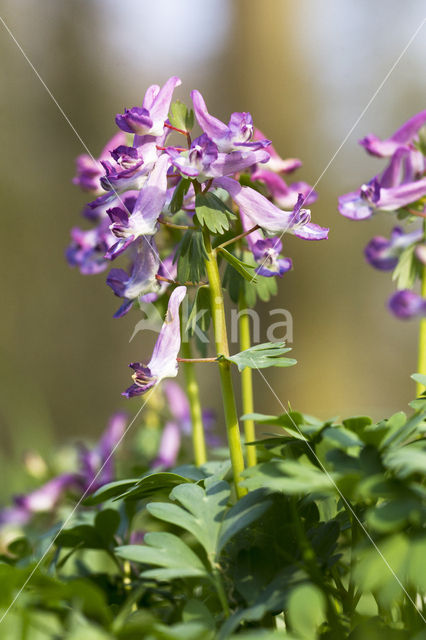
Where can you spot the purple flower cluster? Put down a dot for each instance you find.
(135, 180)
(399, 188)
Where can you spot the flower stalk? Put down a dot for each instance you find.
(193, 393)
(247, 381)
(422, 331)
(221, 340)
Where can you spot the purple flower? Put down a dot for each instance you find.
(402, 137)
(263, 212)
(46, 497)
(383, 253)
(275, 162)
(407, 304)
(169, 446)
(150, 118)
(361, 204)
(197, 160)
(266, 252)
(147, 209)
(101, 456)
(203, 161)
(285, 196)
(89, 170)
(163, 363)
(178, 405)
(235, 135)
(141, 279)
(88, 248)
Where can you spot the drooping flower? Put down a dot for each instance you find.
(383, 253)
(235, 136)
(146, 211)
(263, 212)
(141, 279)
(406, 304)
(90, 170)
(401, 138)
(163, 363)
(150, 118)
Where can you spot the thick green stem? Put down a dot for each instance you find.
(422, 333)
(247, 381)
(221, 340)
(193, 393)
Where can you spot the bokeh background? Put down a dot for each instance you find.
(305, 70)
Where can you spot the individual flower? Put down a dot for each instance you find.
(406, 304)
(163, 363)
(264, 213)
(150, 118)
(141, 279)
(88, 247)
(383, 253)
(235, 136)
(97, 464)
(266, 252)
(169, 446)
(285, 196)
(142, 221)
(361, 204)
(203, 160)
(402, 137)
(90, 170)
(178, 405)
(275, 162)
(46, 497)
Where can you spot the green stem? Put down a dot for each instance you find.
(247, 381)
(221, 340)
(220, 590)
(192, 390)
(422, 333)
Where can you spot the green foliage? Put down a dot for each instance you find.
(330, 536)
(212, 212)
(180, 116)
(179, 194)
(253, 289)
(190, 257)
(268, 354)
(243, 268)
(408, 269)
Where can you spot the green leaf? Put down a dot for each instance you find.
(110, 490)
(407, 460)
(213, 213)
(268, 354)
(288, 421)
(179, 194)
(153, 483)
(407, 269)
(206, 515)
(164, 550)
(239, 266)
(180, 116)
(190, 257)
(288, 476)
(306, 610)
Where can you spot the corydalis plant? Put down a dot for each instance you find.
(400, 189)
(171, 207)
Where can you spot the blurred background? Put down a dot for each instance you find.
(305, 70)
